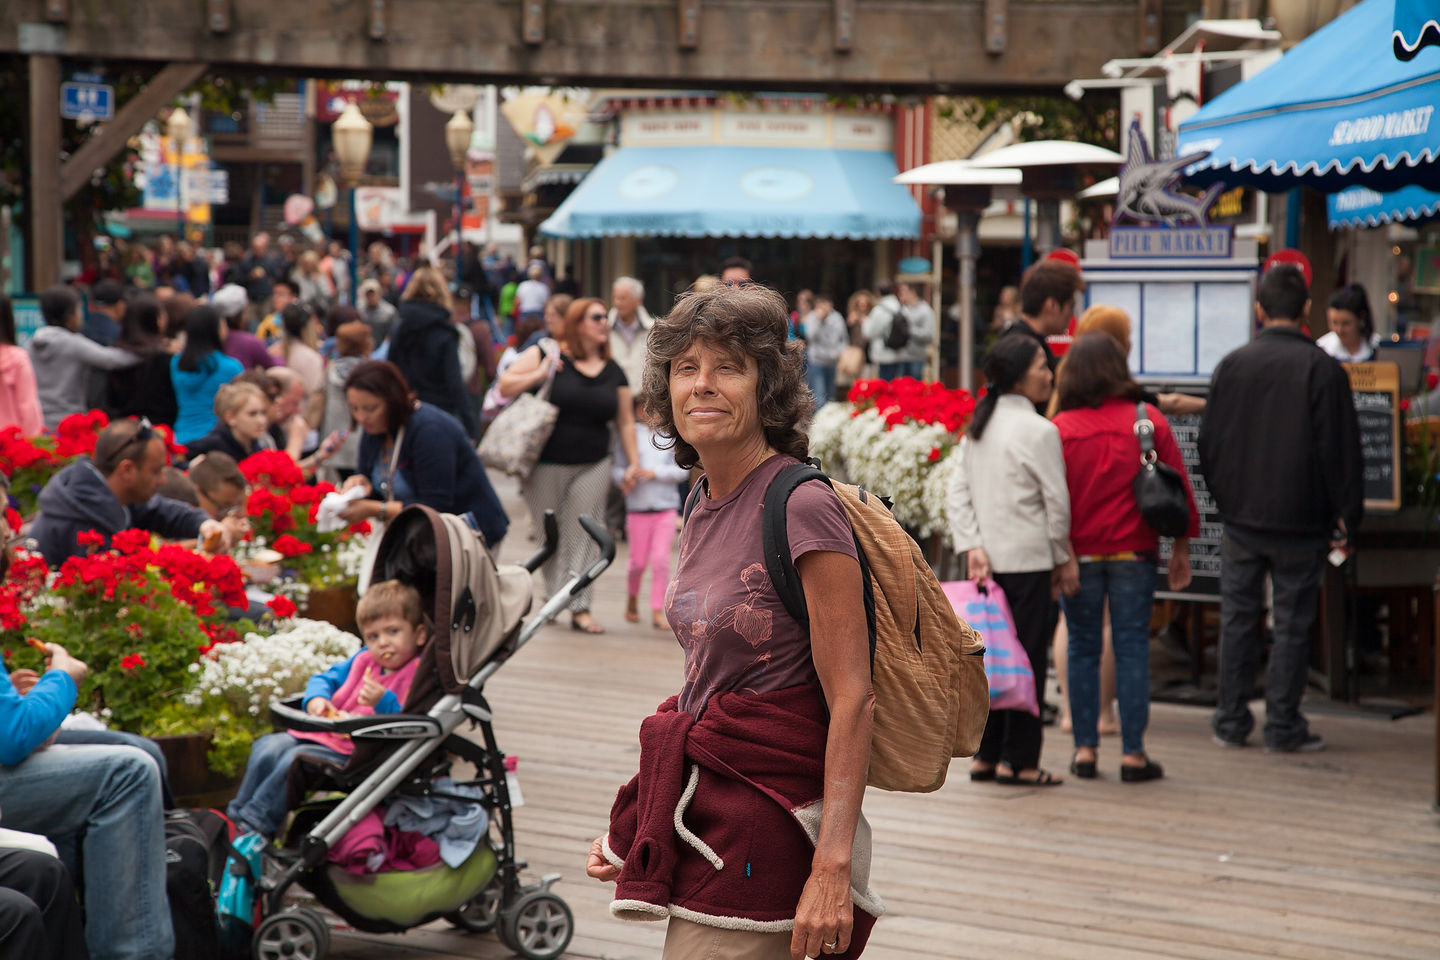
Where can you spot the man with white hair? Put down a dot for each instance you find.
(630, 324)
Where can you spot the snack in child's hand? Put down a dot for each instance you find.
(40, 645)
(212, 541)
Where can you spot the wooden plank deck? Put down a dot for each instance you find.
(1235, 855)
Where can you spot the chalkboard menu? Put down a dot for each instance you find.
(1377, 408)
(1204, 549)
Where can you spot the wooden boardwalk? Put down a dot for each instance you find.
(1235, 855)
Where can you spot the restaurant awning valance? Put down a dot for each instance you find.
(719, 191)
(1337, 110)
(1363, 207)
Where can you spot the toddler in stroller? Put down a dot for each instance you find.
(375, 680)
(477, 610)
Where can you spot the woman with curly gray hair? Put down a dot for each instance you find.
(772, 724)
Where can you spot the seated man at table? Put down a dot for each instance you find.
(99, 805)
(116, 490)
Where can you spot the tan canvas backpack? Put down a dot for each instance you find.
(927, 665)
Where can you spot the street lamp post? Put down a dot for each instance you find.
(458, 131)
(351, 135)
(177, 128)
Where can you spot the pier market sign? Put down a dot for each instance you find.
(1154, 220)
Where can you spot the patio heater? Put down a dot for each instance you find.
(458, 131)
(1051, 171)
(351, 135)
(967, 193)
(177, 128)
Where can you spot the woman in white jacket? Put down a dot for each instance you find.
(1009, 509)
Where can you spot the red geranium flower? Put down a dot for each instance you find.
(13, 519)
(288, 546)
(934, 454)
(129, 541)
(131, 660)
(90, 538)
(282, 607)
(273, 468)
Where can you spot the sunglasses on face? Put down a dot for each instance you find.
(598, 317)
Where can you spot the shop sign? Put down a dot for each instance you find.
(796, 130)
(1154, 219)
(378, 209)
(864, 133)
(642, 128)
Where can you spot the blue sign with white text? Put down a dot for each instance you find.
(92, 101)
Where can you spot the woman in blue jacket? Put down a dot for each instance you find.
(199, 372)
(412, 452)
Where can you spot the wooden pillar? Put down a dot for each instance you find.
(46, 237)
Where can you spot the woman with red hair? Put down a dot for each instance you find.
(572, 476)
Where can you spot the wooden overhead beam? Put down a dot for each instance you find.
(108, 140)
(895, 46)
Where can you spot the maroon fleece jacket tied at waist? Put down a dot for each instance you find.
(713, 828)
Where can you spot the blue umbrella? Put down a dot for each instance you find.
(1363, 207)
(1333, 112)
(1417, 24)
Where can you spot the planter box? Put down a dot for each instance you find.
(192, 781)
(333, 605)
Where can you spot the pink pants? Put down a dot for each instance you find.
(651, 536)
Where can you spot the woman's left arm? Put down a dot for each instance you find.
(840, 648)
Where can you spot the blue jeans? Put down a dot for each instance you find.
(821, 381)
(120, 737)
(907, 368)
(1130, 586)
(261, 800)
(100, 806)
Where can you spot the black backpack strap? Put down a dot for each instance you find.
(775, 538)
(692, 500)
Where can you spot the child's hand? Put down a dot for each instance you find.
(320, 707)
(370, 690)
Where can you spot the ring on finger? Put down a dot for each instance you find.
(830, 945)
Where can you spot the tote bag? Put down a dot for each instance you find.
(513, 441)
(377, 525)
(982, 604)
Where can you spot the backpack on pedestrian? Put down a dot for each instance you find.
(897, 335)
(927, 665)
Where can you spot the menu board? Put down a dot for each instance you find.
(1182, 323)
(1376, 387)
(1204, 549)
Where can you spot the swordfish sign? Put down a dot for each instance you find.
(1169, 222)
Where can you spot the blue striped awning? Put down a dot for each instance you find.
(720, 191)
(1336, 111)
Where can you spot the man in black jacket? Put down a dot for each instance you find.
(1280, 449)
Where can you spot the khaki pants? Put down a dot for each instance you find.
(686, 940)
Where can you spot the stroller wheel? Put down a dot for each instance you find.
(538, 927)
(481, 912)
(297, 934)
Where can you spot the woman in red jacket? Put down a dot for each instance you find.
(1118, 551)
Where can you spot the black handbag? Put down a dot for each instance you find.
(1159, 488)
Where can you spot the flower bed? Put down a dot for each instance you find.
(896, 438)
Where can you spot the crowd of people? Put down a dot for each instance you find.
(389, 395)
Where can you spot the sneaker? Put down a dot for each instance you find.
(1312, 743)
(1220, 741)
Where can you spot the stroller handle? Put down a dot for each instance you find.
(547, 549)
(602, 539)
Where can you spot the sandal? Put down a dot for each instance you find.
(588, 626)
(982, 775)
(1041, 779)
(1084, 769)
(1151, 771)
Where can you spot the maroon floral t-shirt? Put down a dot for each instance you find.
(732, 625)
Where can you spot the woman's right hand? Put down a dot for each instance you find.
(978, 563)
(597, 867)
